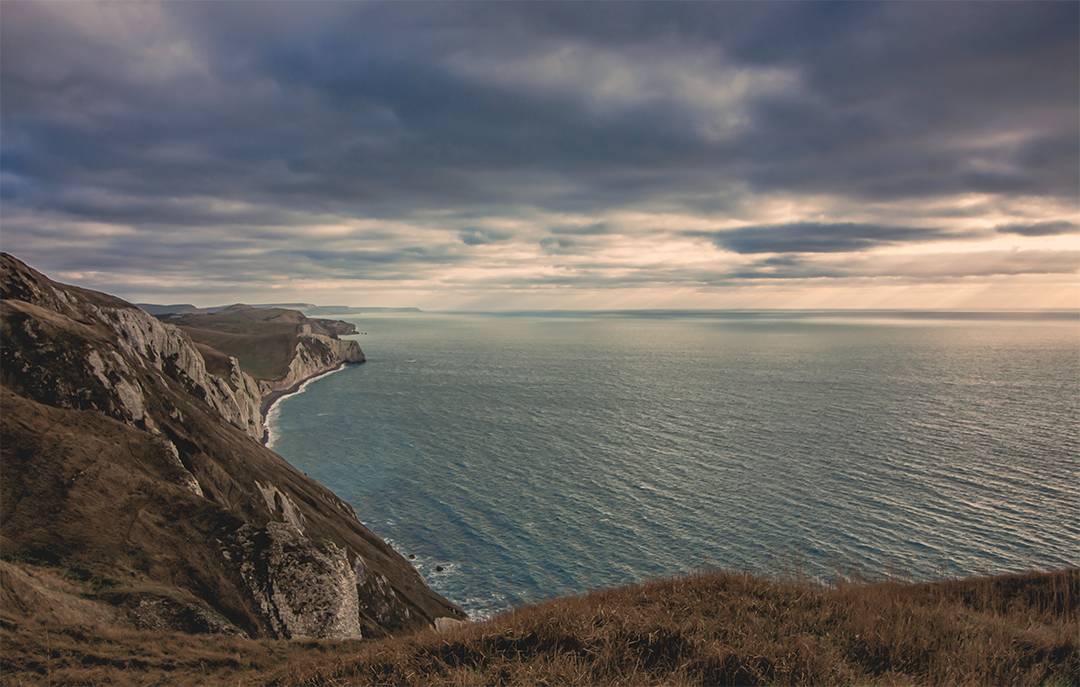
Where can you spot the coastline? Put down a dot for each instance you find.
(271, 402)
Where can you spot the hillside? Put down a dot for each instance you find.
(723, 628)
(280, 348)
(262, 339)
(173, 308)
(709, 629)
(136, 492)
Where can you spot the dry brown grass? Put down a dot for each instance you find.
(718, 628)
(44, 654)
(36, 654)
(708, 629)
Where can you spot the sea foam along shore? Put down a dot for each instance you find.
(274, 410)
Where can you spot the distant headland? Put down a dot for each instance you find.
(308, 309)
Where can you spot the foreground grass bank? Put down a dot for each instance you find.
(708, 629)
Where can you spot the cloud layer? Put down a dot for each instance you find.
(546, 154)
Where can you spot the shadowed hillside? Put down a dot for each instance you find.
(710, 629)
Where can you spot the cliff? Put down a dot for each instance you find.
(278, 347)
(133, 472)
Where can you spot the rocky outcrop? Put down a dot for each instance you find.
(280, 504)
(314, 355)
(151, 611)
(335, 327)
(233, 397)
(305, 589)
(131, 459)
(138, 340)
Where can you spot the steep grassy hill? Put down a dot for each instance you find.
(135, 491)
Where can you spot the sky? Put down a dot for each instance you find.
(547, 155)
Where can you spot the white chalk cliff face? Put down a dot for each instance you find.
(146, 470)
(281, 348)
(314, 355)
(235, 398)
(139, 340)
(304, 588)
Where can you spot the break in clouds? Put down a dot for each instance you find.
(547, 155)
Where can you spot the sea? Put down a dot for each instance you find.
(522, 456)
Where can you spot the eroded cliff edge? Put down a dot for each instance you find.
(132, 463)
(280, 348)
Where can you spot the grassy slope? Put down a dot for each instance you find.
(93, 506)
(265, 354)
(715, 628)
(262, 340)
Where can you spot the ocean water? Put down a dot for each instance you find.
(532, 455)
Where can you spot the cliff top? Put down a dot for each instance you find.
(19, 281)
(262, 339)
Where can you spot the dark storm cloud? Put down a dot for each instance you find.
(1040, 228)
(816, 237)
(250, 120)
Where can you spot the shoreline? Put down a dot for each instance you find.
(272, 401)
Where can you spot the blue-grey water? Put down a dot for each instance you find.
(534, 455)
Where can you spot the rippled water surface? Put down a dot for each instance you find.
(537, 455)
